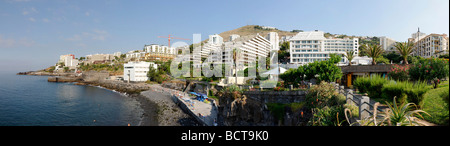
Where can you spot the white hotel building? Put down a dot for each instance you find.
(137, 71)
(312, 46)
(250, 48)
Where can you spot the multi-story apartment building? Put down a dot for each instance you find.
(137, 71)
(68, 61)
(135, 55)
(274, 40)
(432, 45)
(214, 43)
(310, 46)
(249, 47)
(99, 58)
(62, 58)
(387, 44)
(156, 52)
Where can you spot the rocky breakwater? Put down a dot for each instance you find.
(64, 79)
(119, 86)
(43, 73)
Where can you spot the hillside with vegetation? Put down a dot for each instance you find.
(252, 30)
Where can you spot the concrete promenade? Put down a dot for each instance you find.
(204, 113)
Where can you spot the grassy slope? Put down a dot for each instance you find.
(435, 105)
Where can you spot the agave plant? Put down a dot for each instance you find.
(393, 116)
(402, 115)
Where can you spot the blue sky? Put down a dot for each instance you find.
(33, 33)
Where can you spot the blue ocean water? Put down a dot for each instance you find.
(32, 101)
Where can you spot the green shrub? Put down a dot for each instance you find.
(399, 72)
(427, 69)
(339, 99)
(277, 110)
(353, 109)
(415, 94)
(362, 84)
(434, 103)
(404, 91)
(320, 70)
(295, 106)
(392, 89)
(320, 95)
(376, 83)
(328, 116)
(371, 85)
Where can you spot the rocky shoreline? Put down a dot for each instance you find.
(42, 73)
(159, 109)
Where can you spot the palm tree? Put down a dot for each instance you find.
(349, 55)
(373, 51)
(405, 49)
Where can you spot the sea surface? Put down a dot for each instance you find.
(32, 101)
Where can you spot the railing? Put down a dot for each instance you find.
(362, 102)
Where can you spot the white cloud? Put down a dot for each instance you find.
(100, 35)
(20, 0)
(33, 10)
(13, 43)
(32, 19)
(29, 11)
(45, 20)
(74, 38)
(87, 14)
(96, 34)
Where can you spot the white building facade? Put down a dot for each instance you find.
(310, 46)
(387, 44)
(432, 45)
(137, 71)
(70, 62)
(250, 48)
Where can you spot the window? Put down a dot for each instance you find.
(303, 42)
(309, 42)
